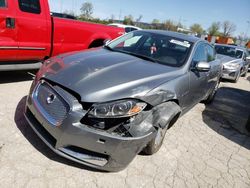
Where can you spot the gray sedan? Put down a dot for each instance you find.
(101, 107)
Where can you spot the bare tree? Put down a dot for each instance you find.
(87, 10)
(112, 18)
(228, 28)
(214, 29)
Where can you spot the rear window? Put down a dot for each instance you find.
(3, 4)
(30, 6)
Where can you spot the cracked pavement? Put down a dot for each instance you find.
(208, 147)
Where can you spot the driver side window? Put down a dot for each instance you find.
(199, 55)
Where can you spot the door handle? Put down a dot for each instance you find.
(10, 23)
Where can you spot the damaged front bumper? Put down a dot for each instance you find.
(108, 150)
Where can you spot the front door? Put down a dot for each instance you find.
(8, 31)
(34, 34)
(198, 79)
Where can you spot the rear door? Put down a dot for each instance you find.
(34, 34)
(8, 31)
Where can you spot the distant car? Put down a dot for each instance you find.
(248, 59)
(101, 107)
(234, 60)
(128, 28)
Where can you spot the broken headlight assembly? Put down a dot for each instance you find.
(121, 108)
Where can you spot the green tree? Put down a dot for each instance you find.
(128, 20)
(196, 28)
(87, 10)
(155, 21)
(170, 25)
(214, 29)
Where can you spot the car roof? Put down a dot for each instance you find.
(232, 46)
(181, 36)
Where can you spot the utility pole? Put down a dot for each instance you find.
(61, 6)
(120, 14)
(248, 24)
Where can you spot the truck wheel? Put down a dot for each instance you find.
(155, 144)
(211, 96)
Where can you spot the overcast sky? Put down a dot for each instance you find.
(185, 11)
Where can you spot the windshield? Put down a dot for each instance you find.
(229, 51)
(154, 47)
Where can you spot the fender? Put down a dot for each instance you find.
(165, 114)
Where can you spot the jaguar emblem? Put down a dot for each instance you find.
(51, 98)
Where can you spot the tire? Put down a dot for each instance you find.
(155, 144)
(211, 96)
(237, 78)
(244, 75)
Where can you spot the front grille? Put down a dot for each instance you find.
(52, 104)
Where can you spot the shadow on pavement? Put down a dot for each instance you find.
(37, 143)
(229, 115)
(15, 76)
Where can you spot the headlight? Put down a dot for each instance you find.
(122, 108)
(231, 66)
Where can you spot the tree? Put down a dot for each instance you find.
(128, 20)
(170, 25)
(69, 12)
(155, 21)
(214, 29)
(228, 28)
(139, 18)
(112, 18)
(196, 28)
(87, 10)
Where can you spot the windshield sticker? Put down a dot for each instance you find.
(184, 43)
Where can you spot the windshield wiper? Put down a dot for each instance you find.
(141, 56)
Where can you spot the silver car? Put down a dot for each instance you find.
(234, 60)
(101, 107)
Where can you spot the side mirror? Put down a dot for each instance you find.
(203, 66)
(106, 42)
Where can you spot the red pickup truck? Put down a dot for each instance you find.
(30, 34)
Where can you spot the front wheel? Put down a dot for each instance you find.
(211, 96)
(237, 78)
(155, 144)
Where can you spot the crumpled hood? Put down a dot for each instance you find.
(101, 75)
(227, 59)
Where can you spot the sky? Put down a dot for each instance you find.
(187, 12)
